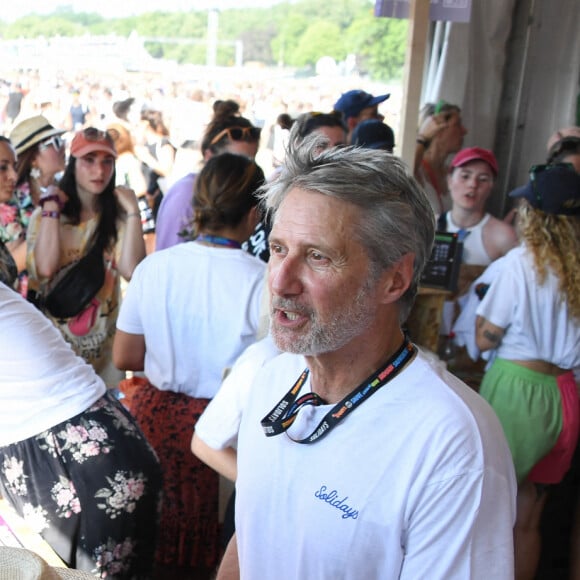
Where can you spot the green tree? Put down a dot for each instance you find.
(379, 44)
(319, 39)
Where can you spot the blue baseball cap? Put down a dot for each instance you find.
(554, 189)
(353, 102)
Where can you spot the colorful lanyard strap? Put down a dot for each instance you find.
(283, 415)
(218, 241)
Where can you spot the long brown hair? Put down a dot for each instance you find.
(224, 192)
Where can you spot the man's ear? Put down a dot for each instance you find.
(396, 280)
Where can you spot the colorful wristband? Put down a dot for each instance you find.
(51, 214)
(53, 197)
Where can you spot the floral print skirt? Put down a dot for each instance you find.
(189, 534)
(91, 487)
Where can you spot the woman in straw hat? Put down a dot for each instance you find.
(40, 156)
(530, 317)
(87, 214)
(73, 462)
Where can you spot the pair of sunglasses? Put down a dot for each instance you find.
(238, 134)
(93, 134)
(566, 145)
(536, 170)
(55, 141)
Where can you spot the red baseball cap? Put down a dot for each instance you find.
(91, 140)
(475, 154)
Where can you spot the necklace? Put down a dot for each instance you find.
(218, 241)
(283, 415)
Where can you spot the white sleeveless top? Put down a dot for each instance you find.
(473, 249)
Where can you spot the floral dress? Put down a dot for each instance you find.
(106, 522)
(14, 219)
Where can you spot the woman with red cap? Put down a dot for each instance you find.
(470, 182)
(86, 216)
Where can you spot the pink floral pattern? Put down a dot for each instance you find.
(123, 494)
(65, 496)
(91, 487)
(14, 472)
(36, 517)
(113, 558)
(15, 214)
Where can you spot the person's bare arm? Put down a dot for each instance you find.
(224, 461)
(230, 567)
(488, 336)
(18, 250)
(129, 351)
(133, 246)
(430, 127)
(498, 238)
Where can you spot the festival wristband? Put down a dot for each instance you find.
(51, 214)
(52, 197)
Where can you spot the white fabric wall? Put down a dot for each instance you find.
(515, 71)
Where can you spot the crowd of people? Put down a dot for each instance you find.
(171, 313)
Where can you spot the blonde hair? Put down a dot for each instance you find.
(554, 242)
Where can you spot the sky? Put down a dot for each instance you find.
(12, 10)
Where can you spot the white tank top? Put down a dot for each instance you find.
(473, 249)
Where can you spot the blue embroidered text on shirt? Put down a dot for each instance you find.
(331, 498)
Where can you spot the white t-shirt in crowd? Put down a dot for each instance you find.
(537, 322)
(219, 424)
(42, 381)
(198, 308)
(417, 482)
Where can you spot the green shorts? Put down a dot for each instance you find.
(540, 417)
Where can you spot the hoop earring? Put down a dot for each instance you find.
(35, 173)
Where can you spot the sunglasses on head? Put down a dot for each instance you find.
(92, 134)
(55, 141)
(565, 145)
(238, 134)
(535, 170)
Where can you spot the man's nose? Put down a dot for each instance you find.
(283, 276)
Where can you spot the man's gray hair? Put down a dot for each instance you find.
(396, 217)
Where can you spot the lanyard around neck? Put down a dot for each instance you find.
(283, 415)
(218, 241)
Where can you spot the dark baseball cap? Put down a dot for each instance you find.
(554, 189)
(373, 134)
(353, 102)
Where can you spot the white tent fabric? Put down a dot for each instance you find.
(515, 70)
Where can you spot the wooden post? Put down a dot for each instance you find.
(414, 66)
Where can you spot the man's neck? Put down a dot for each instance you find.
(335, 374)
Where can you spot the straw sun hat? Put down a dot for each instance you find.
(31, 131)
(21, 564)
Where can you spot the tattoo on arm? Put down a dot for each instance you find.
(493, 337)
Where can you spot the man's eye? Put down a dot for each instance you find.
(275, 249)
(318, 257)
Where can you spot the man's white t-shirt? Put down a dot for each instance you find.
(417, 482)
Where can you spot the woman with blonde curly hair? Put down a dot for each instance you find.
(531, 317)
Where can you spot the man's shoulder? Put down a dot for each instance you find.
(444, 397)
